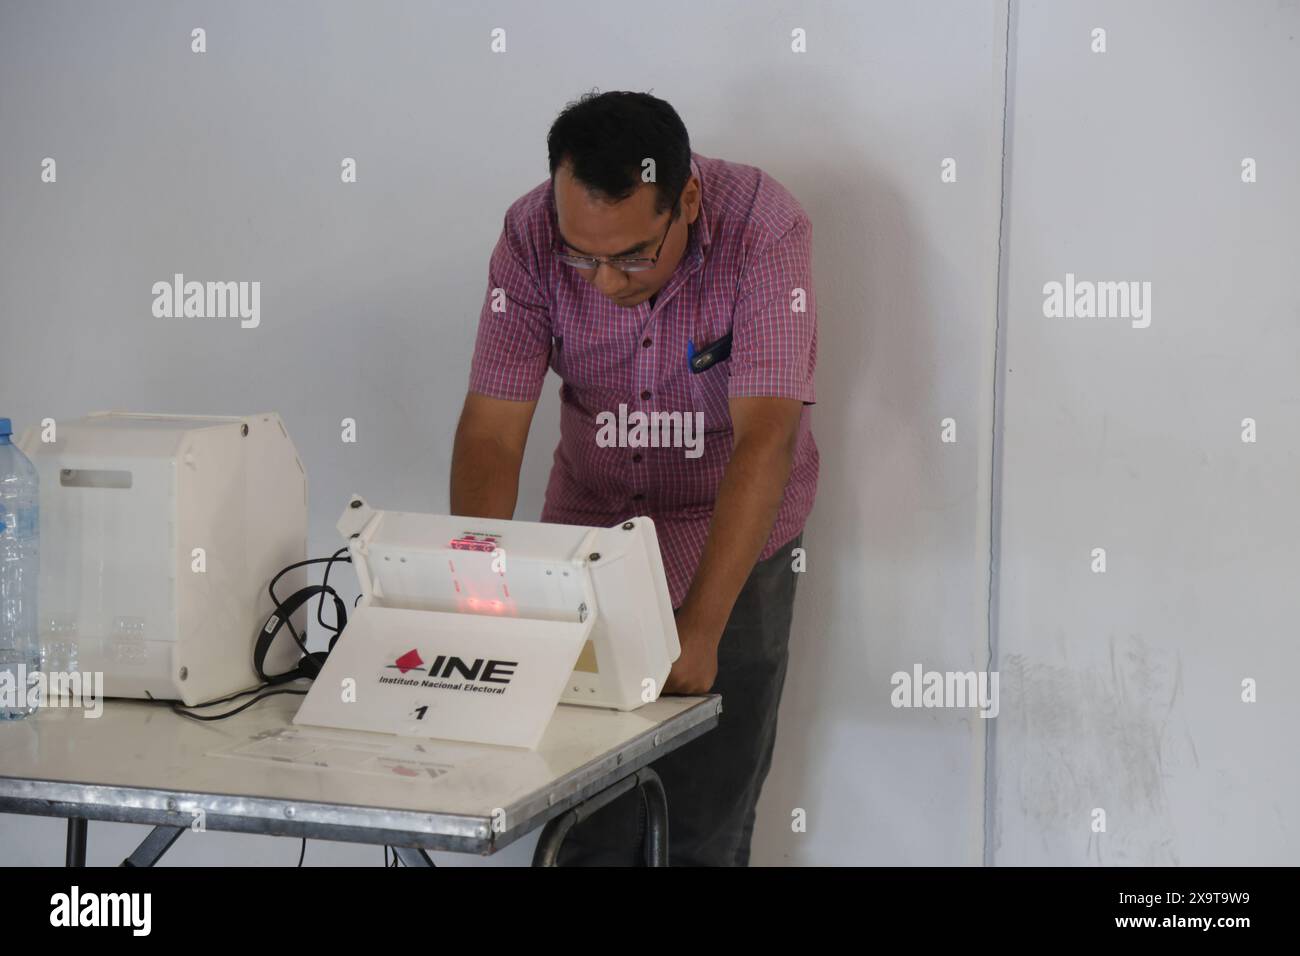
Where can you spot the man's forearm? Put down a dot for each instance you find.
(746, 507)
(484, 478)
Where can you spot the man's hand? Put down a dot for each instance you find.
(696, 668)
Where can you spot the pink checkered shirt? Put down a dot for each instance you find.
(748, 251)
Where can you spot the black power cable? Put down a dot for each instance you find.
(336, 627)
(179, 708)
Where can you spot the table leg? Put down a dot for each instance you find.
(151, 849)
(412, 856)
(656, 804)
(75, 853)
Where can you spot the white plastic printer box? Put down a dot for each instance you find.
(473, 629)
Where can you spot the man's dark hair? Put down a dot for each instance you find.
(606, 136)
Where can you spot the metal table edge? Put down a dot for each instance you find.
(429, 830)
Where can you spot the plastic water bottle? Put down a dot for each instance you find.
(20, 647)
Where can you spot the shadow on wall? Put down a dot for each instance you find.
(873, 359)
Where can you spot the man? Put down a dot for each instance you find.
(634, 257)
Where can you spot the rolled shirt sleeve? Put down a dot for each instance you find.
(774, 325)
(513, 345)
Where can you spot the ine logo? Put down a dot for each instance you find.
(451, 673)
(408, 662)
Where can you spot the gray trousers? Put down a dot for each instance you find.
(713, 782)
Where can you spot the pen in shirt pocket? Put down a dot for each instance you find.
(706, 358)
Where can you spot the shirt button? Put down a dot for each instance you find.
(638, 496)
(645, 394)
(636, 457)
(646, 342)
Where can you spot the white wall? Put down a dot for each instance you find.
(1120, 166)
(1122, 691)
(898, 543)
(226, 165)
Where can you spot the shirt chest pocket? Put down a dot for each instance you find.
(709, 396)
(708, 388)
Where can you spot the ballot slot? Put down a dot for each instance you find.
(94, 478)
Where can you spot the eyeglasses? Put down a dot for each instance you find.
(622, 263)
